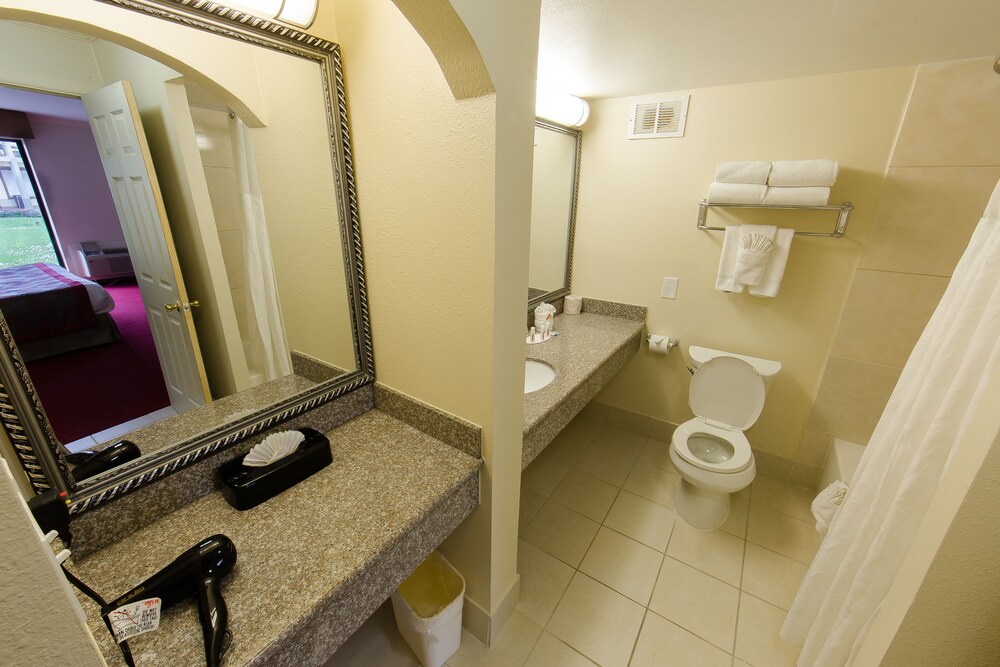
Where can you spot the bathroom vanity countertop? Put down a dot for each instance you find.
(589, 350)
(313, 562)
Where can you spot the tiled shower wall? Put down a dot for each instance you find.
(944, 166)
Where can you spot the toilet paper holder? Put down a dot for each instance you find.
(661, 344)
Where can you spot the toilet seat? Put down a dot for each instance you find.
(727, 395)
(687, 435)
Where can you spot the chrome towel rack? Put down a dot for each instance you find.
(843, 215)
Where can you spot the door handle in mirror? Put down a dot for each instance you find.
(187, 306)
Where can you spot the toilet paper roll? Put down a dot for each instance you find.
(572, 304)
(659, 344)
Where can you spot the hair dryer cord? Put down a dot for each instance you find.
(92, 594)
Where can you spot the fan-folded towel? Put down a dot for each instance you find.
(743, 172)
(736, 193)
(803, 173)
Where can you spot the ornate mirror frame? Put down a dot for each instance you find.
(21, 414)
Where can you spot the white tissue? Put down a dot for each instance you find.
(274, 447)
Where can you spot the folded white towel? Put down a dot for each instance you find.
(756, 244)
(802, 196)
(769, 284)
(726, 281)
(742, 172)
(803, 173)
(826, 504)
(736, 193)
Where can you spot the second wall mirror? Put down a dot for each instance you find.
(555, 176)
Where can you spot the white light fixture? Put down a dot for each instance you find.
(561, 108)
(300, 13)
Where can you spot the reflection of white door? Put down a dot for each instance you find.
(114, 119)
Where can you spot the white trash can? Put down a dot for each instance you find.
(428, 609)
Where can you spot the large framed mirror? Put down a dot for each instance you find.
(555, 175)
(244, 126)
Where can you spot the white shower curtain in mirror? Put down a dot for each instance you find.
(267, 351)
(909, 451)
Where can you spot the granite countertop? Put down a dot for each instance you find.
(313, 562)
(589, 350)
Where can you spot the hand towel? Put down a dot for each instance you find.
(753, 253)
(726, 282)
(802, 196)
(736, 193)
(803, 173)
(742, 172)
(769, 284)
(826, 504)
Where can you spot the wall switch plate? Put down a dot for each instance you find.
(669, 289)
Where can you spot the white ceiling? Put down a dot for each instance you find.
(620, 48)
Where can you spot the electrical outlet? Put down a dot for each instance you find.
(669, 289)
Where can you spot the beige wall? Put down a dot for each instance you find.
(944, 167)
(43, 623)
(638, 207)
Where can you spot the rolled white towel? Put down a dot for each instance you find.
(803, 173)
(742, 172)
(826, 504)
(736, 193)
(801, 196)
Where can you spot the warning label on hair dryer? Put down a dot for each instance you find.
(135, 618)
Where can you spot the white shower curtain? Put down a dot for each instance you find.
(268, 349)
(926, 417)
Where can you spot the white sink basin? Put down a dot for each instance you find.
(537, 375)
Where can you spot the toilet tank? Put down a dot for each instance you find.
(768, 369)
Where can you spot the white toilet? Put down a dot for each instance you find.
(710, 452)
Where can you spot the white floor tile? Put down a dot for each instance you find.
(531, 502)
(757, 634)
(566, 448)
(622, 564)
(697, 602)
(511, 648)
(376, 642)
(663, 643)
(626, 444)
(549, 651)
(586, 495)
(561, 532)
(604, 464)
(652, 483)
(544, 579)
(642, 520)
(736, 524)
(583, 429)
(711, 551)
(79, 445)
(657, 453)
(543, 475)
(782, 533)
(786, 498)
(770, 576)
(597, 621)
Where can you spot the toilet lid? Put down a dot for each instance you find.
(727, 390)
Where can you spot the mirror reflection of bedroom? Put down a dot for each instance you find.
(68, 279)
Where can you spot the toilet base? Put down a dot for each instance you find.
(700, 508)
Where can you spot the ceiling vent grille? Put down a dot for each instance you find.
(652, 120)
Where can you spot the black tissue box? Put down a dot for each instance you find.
(246, 486)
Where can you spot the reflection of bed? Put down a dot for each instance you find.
(51, 311)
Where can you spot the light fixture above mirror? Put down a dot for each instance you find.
(299, 13)
(560, 107)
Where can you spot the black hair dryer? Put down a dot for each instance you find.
(198, 572)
